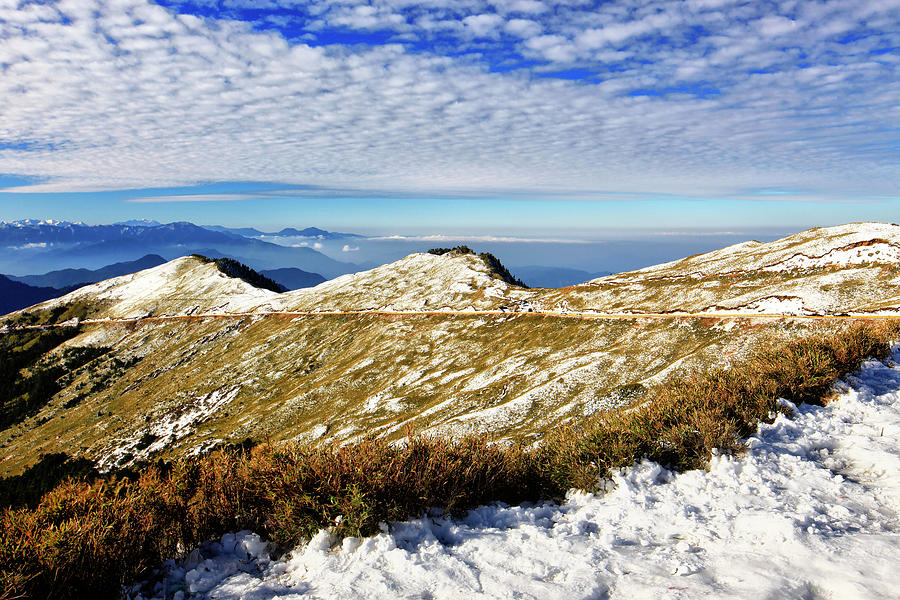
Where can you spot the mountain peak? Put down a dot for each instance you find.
(186, 285)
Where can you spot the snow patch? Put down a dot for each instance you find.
(808, 511)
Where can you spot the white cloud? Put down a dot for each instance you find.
(774, 25)
(476, 238)
(524, 28)
(127, 94)
(483, 25)
(347, 248)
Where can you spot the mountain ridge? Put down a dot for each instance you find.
(437, 344)
(36, 246)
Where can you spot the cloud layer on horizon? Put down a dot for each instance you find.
(705, 98)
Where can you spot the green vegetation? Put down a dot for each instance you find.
(30, 377)
(493, 263)
(239, 270)
(87, 538)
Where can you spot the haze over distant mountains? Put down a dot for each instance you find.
(32, 246)
(77, 277)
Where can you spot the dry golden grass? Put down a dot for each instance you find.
(87, 539)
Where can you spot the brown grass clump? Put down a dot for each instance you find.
(87, 539)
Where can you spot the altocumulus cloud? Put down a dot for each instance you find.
(704, 97)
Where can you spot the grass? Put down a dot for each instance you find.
(87, 538)
(22, 396)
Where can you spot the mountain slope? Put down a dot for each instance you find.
(183, 286)
(435, 343)
(851, 268)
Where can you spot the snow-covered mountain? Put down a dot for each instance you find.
(851, 268)
(438, 343)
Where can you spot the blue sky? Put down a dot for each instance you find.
(463, 116)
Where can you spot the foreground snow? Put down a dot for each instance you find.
(810, 511)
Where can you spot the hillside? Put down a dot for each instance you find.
(435, 343)
(654, 534)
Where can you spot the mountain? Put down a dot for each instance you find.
(139, 223)
(554, 277)
(294, 279)
(15, 295)
(314, 232)
(241, 231)
(430, 343)
(36, 245)
(310, 232)
(69, 277)
(34, 232)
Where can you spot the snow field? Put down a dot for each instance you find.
(809, 511)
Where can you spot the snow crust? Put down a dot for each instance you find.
(879, 252)
(169, 427)
(179, 287)
(810, 511)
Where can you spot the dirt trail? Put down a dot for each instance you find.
(438, 313)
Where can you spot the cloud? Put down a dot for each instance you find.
(348, 248)
(471, 98)
(483, 25)
(193, 198)
(476, 238)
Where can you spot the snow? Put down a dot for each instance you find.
(813, 248)
(879, 252)
(181, 286)
(809, 511)
(169, 427)
(771, 305)
(418, 281)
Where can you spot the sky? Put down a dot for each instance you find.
(554, 116)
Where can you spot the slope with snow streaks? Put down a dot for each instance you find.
(396, 346)
(847, 269)
(822, 246)
(183, 286)
(810, 511)
(418, 282)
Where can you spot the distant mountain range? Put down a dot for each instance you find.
(32, 246)
(554, 277)
(15, 295)
(293, 278)
(77, 277)
(309, 232)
